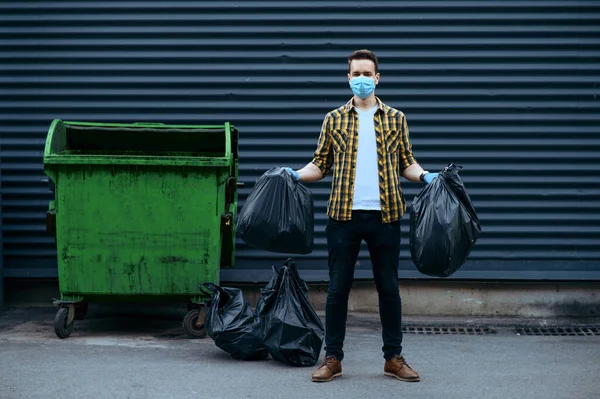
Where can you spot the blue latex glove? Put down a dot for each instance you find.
(429, 177)
(293, 173)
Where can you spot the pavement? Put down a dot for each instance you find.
(119, 352)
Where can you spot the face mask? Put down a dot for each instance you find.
(362, 86)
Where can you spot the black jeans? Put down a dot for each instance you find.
(343, 243)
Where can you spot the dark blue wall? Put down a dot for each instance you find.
(1, 240)
(507, 89)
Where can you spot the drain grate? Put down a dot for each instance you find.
(558, 331)
(448, 330)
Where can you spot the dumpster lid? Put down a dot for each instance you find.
(139, 143)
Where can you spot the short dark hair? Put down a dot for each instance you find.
(363, 55)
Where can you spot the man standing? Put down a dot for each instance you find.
(368, 142)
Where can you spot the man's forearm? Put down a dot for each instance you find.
(413, 172)
(310, 173)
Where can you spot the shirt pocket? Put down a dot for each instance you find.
(339, 139)
(392, 141)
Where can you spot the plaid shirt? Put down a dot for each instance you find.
(338, 144)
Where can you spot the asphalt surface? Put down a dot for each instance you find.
(143, 354)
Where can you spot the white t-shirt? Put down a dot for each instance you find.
(366, 183)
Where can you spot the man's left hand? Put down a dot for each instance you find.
(429, 177)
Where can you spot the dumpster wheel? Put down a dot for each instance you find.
(61, 328)
(190, 326)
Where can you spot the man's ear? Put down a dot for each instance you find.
(349, 77)
(377, 79)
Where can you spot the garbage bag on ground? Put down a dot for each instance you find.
(278, 215)
(233, 325)
(292, 332)
(443, 225)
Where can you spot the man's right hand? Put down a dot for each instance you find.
(292, 172)
(308, 174)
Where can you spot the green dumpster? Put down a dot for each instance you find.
(141, 212)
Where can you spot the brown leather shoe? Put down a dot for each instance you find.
(398, 368)
(328, 370)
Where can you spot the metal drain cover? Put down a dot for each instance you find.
(558, 331)
(448, 330)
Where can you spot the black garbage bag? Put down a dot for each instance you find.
(278, 215)
(292, 332)
(233, 325)
(443, 225)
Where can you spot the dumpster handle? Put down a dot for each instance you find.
(209, 288)
(149, 123)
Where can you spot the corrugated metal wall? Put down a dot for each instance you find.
(1, 249)
(508, 89)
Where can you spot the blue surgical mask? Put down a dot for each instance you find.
(362, 86)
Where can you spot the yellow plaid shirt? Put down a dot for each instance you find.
(337, 146)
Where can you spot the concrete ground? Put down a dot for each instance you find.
(142, 353)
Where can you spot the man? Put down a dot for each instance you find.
(368, 142)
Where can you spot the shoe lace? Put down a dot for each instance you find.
(327, 362)
(401, 361)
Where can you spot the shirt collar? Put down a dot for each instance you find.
(350, 105)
